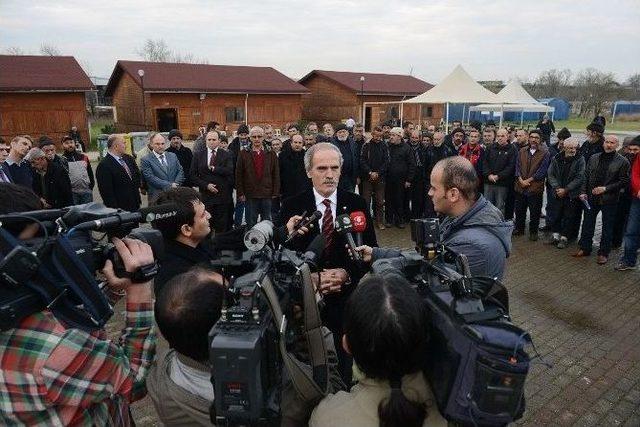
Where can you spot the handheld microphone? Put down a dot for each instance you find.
(148, 214)
(359, 222)
(343, 226)
(314, 251)
(304, 222)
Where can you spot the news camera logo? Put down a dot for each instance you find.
(152, 216)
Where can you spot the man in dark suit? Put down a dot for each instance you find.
(118, 177)
(161, 169)
(340, 274)
(5, 174)
(211, 172)
(50, 181)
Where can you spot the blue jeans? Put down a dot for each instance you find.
(255, 207)
(589, 225)
(82, 198)
(238, 212)
(632, 234)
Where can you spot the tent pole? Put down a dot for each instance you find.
(463, 108)
(420, 115)
(613, 116)
(446, 124)
(469, 116)
(501, 114)
(401, 113)
(521, 117)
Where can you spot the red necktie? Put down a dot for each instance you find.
(327, 224)
(212, 161)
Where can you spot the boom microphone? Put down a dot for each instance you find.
(343, 226)
(304, 222)
(148, 214)
(359, 223)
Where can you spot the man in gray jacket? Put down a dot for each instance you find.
(473, 226)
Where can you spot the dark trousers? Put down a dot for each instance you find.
(275, 207)
(589, 226)
(255, 208)
(632, 234)
(620, 224)
(417, 194)
(566, 209)
(575, 222)
(394, 200)
(220, 217)
(509, 202)
(238, 213)
(533, 202)
(551, 210)
(374, 190)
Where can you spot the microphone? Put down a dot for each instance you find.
(359, 222)
(304, 222)
(343, 226)
(148, 214)
(314, 251)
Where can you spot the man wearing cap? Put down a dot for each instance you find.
(80, 172)
(184, 154)
(531, 169)
(546, 128)
(632, 233)
(351, 158)
(552, 201)
(47, 145)
(457, 139)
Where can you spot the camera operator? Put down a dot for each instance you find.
(56, 375)
(179, 384)
(323, 163)
(472, 225)
(384, 330)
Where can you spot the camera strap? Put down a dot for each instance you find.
(310, 382)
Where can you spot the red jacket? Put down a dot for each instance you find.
(635, 177)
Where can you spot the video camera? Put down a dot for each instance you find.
(56, 270)
(477, 364)
(252, 345)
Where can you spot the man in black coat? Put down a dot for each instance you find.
(212, 172)
(293, 176)
(118, 177)
(50, 181)
(349, 177)
(184, 154)
(339, 274)
(498, 167)
(435, 152)
(402, 168)
(417, 193)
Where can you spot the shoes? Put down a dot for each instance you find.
(400, 225)
(381, 226)
(621, 266)
(517, 233)
(552, 241)
(533, 237)
(562, 243)
(602, 259)
(580, 254)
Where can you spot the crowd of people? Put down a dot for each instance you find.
(476, 178)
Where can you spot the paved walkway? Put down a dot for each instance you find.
(585, 320)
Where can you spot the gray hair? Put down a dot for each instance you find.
(256, 129)
(154, 134)
(308, 156)
(572, 140)
(34, 153)
(113, 138)
(397, 131)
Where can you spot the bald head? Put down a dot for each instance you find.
(611, 143)
(438, 138)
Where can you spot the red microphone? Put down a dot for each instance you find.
(359, 224)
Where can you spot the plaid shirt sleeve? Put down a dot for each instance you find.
(85, 369)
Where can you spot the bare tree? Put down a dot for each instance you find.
(49, 50)
(14, 50)
(594, 89)
(552, 83)
(634, 82)
(159, 51)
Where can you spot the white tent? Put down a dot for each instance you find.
(457, 88)
(513, 97)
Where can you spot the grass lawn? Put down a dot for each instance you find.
(96, 129)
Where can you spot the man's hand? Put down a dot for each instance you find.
(331, 280)
(242, 198)
(583, 197)
(212, 188)
(366, 252)
(407, 184)
(561, 192)
(174, 185)
(493, 177)
(45, 204)
(134, 254)
(598, 191)
(291, 224)
(373, 176)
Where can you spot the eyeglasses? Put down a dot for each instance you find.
(4, 149)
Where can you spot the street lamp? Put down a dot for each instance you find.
(362, 99)
(144, 108)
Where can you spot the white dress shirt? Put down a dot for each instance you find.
(162, 160)
(321, 207)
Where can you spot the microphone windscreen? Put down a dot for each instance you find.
(316, 247)
(358, 221)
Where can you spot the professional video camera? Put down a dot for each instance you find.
(56, 270)
(252, 345)
(477, 364)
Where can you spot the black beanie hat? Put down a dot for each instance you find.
(175, 132)
(490, 123)
(596, 127)
(341, 126)
(476, 125)
(44, 141)
(456, 130)
(635, 141)
(243, 129)
(564, 134)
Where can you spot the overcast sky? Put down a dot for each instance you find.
(493, 40)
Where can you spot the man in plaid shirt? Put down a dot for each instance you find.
(51, 375)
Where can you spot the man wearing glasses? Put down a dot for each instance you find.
(257, 178)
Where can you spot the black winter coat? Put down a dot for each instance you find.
(374, 158)
(573, 180)
(54, 186)
(434, 154)
(500, 160)
(615, 179)
(402, 165)
(293, 176)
